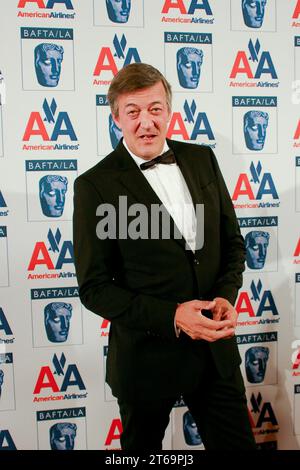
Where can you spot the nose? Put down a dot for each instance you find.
(69, 443)
(125, 4)
(59, 198)
(195, 69)
(258, 9)
(261, 132)
(63, 323)
(262, 251)
(145, 121)
(54, 67)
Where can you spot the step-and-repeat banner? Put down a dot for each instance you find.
(234, 66)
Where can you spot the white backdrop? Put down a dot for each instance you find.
(63, 129)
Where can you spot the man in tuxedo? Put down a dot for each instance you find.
(169, 298)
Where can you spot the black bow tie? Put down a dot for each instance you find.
(165, 158)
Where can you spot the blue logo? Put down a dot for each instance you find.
(53, 256)
(60, 379)
(254, 12)
(7, 388)
(253, 65)
(52, 191)
(254, 124)
(193, 11)
(260, 234)
(255, 186)
(108, 133)
(262, 413)
(68, 432)
(49, 185)
(6, 440)
(4, 326)
(47, 58)
(118, 11)
(191, 125)
(48, 4)
(110, 61)
(3, 206)
(188, 56)
(50, 127)
(258, 304)
(4, 274)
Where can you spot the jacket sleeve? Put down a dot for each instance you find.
(97, 262)
(232, 247)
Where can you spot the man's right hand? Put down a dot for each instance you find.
(189, 318)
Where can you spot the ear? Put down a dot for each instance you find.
(116, 120)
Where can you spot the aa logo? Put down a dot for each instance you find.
(187, 7)
(114, 432)
(296, 13)
(54, 255)
(191, 126)
(253, 64)
(51, 126)
(6, 441)
(257, 303)
(60, 378)
(297, 131)
(112, 61)
(4, 325)
(261, 412)
(49, 4)
(104, 327)
(2, 201)
(297, 249)
(256, 185)
(296, 354)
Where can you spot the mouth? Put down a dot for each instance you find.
(147, 138)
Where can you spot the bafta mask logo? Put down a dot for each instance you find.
(52, 192)
(189, 61)
(47, 61)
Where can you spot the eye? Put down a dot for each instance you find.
(188, 65)
(51, 193)
(61, 439)
(255, 247)
(255, 363)
(252, 4)
(47, 62)
(254, 128)
(56, 320)
(132, 113)
(156, 110)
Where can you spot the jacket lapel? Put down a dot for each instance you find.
(136, 184)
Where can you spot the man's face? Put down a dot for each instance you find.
(253, 12)
(256, 364)
(143, 118)
(188, 69)
(118, 10)
(257, 251)
(58, 324)
(48, 67)
(255, 132)
(53, 197)
(63, 438)
(114, 132)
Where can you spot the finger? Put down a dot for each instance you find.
(204, 304)
(214, 324)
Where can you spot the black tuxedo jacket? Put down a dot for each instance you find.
(137, 284)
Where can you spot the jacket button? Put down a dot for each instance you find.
(196, 262)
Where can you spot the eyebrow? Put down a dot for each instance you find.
(151, 104)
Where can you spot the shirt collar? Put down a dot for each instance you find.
(139, 160)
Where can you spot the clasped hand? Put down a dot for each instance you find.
(190, 319)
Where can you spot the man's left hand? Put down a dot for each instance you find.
(223, 310)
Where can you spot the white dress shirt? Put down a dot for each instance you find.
(169, 184)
